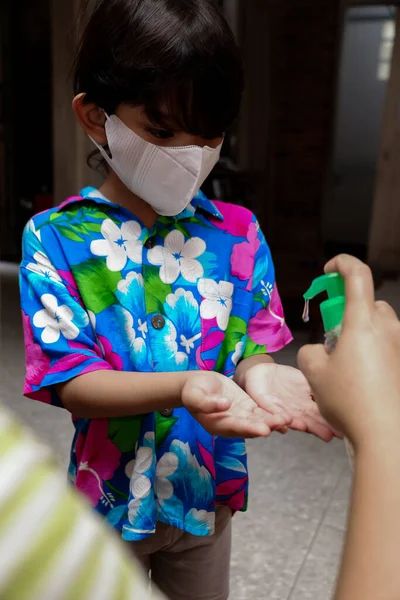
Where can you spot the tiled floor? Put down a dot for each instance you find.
(287, 546)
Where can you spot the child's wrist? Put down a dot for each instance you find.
(247, 366)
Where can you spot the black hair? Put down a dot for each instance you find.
(180, 54)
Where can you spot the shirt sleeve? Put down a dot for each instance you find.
(267, 330)
(56, 545)
(60, 343)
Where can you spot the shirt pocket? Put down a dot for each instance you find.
(225, 311)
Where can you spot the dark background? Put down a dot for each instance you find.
(303, 155)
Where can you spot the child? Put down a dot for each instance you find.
(127, 291)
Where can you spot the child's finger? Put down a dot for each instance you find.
(204, 394)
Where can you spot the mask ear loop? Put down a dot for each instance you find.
(106, 147)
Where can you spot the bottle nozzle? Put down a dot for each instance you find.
(332, 310)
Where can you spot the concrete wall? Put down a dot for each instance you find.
(347, 210)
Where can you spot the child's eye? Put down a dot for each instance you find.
(161, 134)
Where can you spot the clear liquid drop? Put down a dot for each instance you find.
(306, 312)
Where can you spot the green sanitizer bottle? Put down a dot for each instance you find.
(332, 312)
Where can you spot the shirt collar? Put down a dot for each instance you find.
(199, 202)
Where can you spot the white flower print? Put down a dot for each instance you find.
(266, 289)
(239, 351)
(31, 226)
(124, 287)
(119, 244)
(43, 267)
(124, 284)
(183, 309)
(166, 466)
(178, 257)
(136, 343)
(55, 320)
(140, 484)
(203, 520)
(217, 301)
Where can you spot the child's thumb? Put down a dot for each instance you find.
(203, 393)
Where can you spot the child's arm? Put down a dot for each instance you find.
(105, 394)
(221, 406)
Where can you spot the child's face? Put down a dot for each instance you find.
(138, 121)
(93, 119)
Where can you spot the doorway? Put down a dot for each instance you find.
(365, 70)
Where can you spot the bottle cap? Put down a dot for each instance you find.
(332, 310)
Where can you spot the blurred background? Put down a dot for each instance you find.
(315, 154)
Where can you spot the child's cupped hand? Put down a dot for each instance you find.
(279, 389)
(225, 410)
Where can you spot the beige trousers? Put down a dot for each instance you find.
(187, 567)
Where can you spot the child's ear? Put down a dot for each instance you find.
(91, 118)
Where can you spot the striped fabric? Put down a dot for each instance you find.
(51, 545)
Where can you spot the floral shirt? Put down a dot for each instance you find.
(100, 291)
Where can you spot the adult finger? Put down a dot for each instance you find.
(386, 310)
(312, 360)
(359, 284)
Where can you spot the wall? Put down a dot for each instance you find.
(305, 52)
(348, 206)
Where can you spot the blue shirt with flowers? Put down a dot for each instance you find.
(99, 291)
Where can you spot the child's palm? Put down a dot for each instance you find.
(243, 418)
(284, 390)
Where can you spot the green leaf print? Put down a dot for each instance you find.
(156, 290)
(234, 334)
(261, 298)
(164, 232)
(55, 215)
(96, 283)
(124, 432)
(164, 427)
(180, 227)
(68, 233)
(252, 349)
(196, 221)
(94, 227)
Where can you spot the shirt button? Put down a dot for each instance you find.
(158, 322)
(150, 243)
(167, 412)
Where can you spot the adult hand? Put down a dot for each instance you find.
(357, 386)
(224, 409)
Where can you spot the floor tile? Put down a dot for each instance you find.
(294, 475)
(318, 576)
(268, 552)
(336, 515)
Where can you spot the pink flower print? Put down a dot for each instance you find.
(236, 219)
(69, 200)
(37, 362)
(110, 356)
(268, 327)
(98, 460)
(243, 256)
